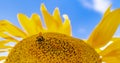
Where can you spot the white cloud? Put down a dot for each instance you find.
(97, 5)
(86, 3)
(101, 5)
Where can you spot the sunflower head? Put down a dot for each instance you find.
(52, 48)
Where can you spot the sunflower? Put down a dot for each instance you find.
(56, 41)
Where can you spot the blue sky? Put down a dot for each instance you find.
(84, 14)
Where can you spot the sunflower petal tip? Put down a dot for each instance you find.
(19, 14)
(34, 14)
(57, 8)
(65, 16)
(42, 4)
(3, 21)
(43, 7)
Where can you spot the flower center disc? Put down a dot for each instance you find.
(52, 48)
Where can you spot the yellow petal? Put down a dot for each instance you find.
(98, 50)
(3, 42)
(3, 50)
(112, 51)
(57, 17)
(111, 60)
(6, 26)
(27, 24)
(2, 58)
(50, 22)
(105, 29)
(66, 28)
(115, 38)
(107, 11)
(6, 36)
(3, 46)
(38, 25)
